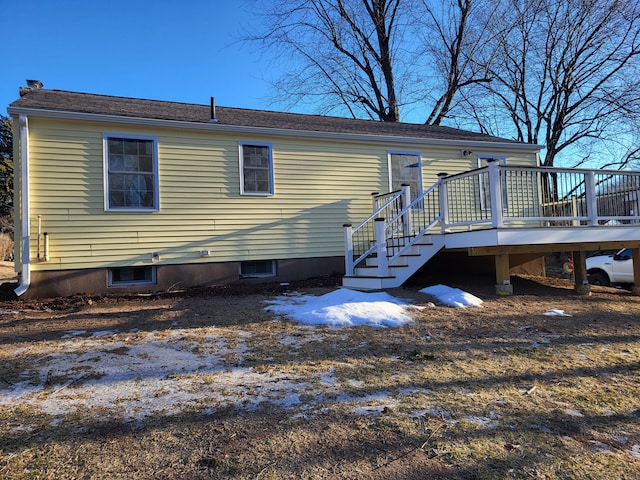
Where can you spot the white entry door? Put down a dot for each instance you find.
(405, 168)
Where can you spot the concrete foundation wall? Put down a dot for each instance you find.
(95, 281)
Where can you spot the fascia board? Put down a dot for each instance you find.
(269, 131)
(541, 236)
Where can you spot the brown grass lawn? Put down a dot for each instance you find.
(206, 384)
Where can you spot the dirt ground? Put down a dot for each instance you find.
(7, 270)
(224, 389)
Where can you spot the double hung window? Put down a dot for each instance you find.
(131, 173)
(256, 168)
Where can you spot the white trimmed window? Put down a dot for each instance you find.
(131, 173)
(256, 168)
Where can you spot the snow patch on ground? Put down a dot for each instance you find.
(133, 375)
(557, 313)
(344, 308)
(453, 297)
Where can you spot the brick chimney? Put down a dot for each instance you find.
(31, 85)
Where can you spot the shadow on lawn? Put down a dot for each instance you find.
(501, 337)
(233, 444)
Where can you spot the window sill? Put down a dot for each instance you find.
(132, 210)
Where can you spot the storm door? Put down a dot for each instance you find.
(405, 168)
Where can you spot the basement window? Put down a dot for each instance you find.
(130, 276)
(258, 268)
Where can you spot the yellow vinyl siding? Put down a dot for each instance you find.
(319, 185)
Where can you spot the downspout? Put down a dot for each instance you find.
(25, 275)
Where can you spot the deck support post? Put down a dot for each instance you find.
(635, 257)
(503, 274)
(581, 286)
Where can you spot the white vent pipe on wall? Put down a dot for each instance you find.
(46, 247)
(39, 235)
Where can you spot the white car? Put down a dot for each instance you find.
(611, 269)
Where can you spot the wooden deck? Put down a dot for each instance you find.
(499, 211)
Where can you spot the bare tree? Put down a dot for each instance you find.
(343, 52)
(454, 34)
(565, 74)
(374, 58)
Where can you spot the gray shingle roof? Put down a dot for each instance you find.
(59, 100)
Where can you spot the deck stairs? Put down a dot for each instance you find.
(418, 252)
(394, 242)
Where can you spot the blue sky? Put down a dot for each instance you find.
(159, 49)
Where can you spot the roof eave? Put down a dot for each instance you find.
(310, 134)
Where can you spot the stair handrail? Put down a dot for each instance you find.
(425, 222)
(351, 232)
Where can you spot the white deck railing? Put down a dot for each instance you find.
(510, 196)
(495, 196)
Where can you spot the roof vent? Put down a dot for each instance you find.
(213, 111)
(31, 85)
